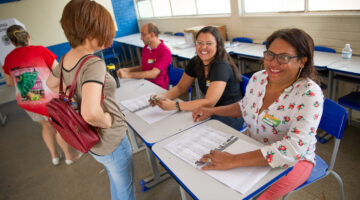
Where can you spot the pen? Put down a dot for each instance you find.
(142, 84)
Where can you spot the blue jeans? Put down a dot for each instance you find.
(119, 167)
(235, 123)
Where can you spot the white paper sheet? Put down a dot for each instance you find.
(137, 103)
(200, 139)
(153, 114)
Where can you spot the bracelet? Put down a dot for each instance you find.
(178, 106)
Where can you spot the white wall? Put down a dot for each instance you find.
(42, 21)
(42, 18)
(326, 30)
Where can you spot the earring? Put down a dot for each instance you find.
(299, 73)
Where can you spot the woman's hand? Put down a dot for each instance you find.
(166, 104)
(201, 113)
(155, 98)
(218, 160)
(122, 73)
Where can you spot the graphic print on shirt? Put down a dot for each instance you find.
(28, 83)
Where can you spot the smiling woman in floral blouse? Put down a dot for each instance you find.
(282, 108)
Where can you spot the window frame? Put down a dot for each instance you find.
(179, 16)
(306, 12)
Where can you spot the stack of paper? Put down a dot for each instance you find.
(200, 139)
(141, 107)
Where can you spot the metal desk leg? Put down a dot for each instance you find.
(2, 119)
(138, 55)
(134, 145)
(131, 56)
(148, 183)
(125, 54)
(197, 89)
(330, 84)
(182, 193)
(241, 69)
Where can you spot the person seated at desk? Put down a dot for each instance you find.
(282, 108)
(155, 59)
(217, 77)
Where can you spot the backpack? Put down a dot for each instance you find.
(67, 121)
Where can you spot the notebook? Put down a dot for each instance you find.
(199, 140)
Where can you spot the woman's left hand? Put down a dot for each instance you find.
(218, 160)
(166, 104)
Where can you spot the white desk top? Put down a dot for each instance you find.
(251, 50)
(323, 59)
(133, 39)
(131, 88)
(199, 183)
(349, 66)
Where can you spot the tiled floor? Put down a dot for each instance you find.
(26, 171)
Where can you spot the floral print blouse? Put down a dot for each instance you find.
(288, 126)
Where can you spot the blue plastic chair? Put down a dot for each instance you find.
(264, 43)
(243, 84)
(333, 122)
(179, 34)
(324, 49)
(175, 75)
(351, 101)
(242, 39)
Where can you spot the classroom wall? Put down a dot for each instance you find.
(41, 18)
(331, 31)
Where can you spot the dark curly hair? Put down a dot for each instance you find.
(221, 54)
(304, 46)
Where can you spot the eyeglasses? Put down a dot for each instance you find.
(281, 58)
(200, 43)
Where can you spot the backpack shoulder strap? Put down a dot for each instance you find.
(73, 84)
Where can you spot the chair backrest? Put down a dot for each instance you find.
(168, 33)
(179, 34)
(243, 84)
(324, 49)
(333, 119)
(175, 75)
(242, 39)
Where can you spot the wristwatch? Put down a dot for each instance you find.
(178, 106)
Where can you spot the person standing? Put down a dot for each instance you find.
(27, 67)
(89, 27)
(155, 59)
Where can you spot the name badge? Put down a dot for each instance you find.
(150, 61)
(270, 120)
(207, 83)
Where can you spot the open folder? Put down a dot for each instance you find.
(142, 108)
(199, 140)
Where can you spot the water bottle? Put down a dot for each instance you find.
(112, 71)
(346, 52)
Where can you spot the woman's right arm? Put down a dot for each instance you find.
(53, 83)
(181, 88)
(231, 110)
(91, 109)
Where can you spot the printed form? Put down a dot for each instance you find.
(142, 108)
(200, 139)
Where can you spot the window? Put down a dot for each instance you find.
(277, 6)
(256, 6)
(165, 8)
(323, 5)
(206, 7)
(183, 7)
(145, 9)
(161, 8)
